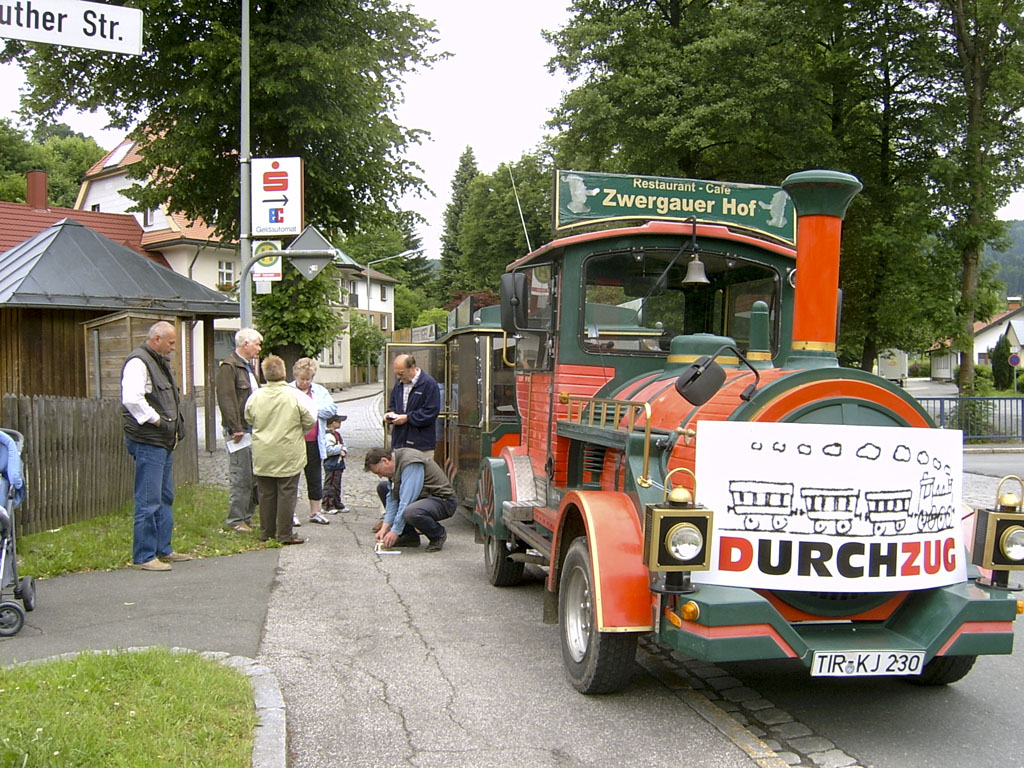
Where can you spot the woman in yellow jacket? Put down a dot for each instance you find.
(279, 424)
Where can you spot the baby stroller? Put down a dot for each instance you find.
(12, 492)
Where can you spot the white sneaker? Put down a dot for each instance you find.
(331, 511)
(319, 519)
(295, 521)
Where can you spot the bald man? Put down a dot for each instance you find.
(152, 420)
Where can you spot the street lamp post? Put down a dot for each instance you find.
(368, 265)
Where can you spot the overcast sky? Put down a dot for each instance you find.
(493, 94)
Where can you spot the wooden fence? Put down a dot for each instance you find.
(75, 463)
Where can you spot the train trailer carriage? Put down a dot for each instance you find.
(687, 461)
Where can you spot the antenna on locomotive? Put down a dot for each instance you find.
(529, 248)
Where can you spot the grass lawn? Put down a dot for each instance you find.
(105, 543)
(131, 708)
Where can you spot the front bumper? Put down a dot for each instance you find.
(738, 624)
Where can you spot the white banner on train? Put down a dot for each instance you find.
(826, 508)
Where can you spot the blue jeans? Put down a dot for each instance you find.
(154, 496)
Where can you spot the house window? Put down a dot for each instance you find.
(95, 207)
(225, 272)
(383, 292)
(383, 322)
(373, 318)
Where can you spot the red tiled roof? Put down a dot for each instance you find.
(182, 229)
(133, 156)
(19, 222)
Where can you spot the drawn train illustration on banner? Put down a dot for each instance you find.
(769, 505)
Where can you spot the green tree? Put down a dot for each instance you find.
(434, 316)
(491, 231)
(1002, 371)
(366, 342)
(450, 277)
(325, 84)
(56, 149)
(982, 158)
(297, 318)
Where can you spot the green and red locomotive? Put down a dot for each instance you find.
(656, 416)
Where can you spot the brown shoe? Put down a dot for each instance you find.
(293, 540)
(243, 528)
(378, 526)
(174, 557)
(152, 565)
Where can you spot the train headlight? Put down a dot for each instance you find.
(1012, 543)
(684, 542)
(677, 538)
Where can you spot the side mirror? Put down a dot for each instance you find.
(698, 383)
(513, 302)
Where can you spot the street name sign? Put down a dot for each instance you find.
(113, 28)
(277, 196)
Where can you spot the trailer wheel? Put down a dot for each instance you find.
(943, 670)
(12, 618)
(502, 571)
(597, 662)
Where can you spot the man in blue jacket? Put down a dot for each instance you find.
(413, 406)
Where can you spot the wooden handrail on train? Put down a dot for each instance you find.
(618, 415)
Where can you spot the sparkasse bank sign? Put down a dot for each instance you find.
(79, 24)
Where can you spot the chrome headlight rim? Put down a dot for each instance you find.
(684, 541)
(1011, 543)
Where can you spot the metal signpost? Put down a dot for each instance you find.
(310, 252)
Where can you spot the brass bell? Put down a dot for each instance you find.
(695, 274)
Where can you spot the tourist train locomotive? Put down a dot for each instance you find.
(655, 416)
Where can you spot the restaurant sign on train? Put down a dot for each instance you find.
(583, 198)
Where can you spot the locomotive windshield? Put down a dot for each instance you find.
(636, 301)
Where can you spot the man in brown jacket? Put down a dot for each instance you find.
(236, 380)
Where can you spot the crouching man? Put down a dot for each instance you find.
(418, 497)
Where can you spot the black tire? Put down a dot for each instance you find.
(597, 662)
(12, 618)
(943, 670)
(501, 570)
(28, 593)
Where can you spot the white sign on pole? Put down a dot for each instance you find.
(113, 28)
(267, 267)
(277, 196)
(831, 508)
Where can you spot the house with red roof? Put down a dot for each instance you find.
(191, 248)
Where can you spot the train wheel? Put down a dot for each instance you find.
(597, 662)
(502, 571)
(12, 618)
(484, 500)
(820, 526)
(843, 526)
(750, 523)
(779, 522)
(943, 670)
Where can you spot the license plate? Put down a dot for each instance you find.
(866, 663)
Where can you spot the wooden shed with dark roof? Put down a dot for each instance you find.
(67, 276)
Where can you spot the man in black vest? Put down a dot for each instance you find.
(419, 496)
(152, 419)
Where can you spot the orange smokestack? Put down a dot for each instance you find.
(820, 199)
